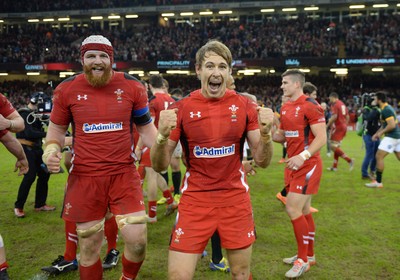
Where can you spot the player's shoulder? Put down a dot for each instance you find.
(3, 98)
(69, 82)
(152, 98)
(311, 101)
(128, 79)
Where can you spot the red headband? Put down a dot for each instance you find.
(97, 43)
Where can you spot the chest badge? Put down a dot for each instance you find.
(296, 114)
(233, 109)
(119, 93)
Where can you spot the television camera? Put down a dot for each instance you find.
(44, 105)
(366, 99)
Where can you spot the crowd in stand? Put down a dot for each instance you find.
(276, 37)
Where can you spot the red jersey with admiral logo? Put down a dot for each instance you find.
(296, 119)
(339, 109)
(212, 133)
(6, 108)
(102, 121)
(158, 102)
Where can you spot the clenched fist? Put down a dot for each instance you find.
(265, 119)
(167, 121)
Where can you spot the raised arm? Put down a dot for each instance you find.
(162, 150)
(260, 140)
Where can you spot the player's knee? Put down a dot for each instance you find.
(240, 272)
(139, 248)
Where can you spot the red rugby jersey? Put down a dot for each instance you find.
(296, 119)
(212, 133)
(102, 120)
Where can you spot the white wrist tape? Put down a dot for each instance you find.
(305, 154)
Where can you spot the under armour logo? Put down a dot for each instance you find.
(299, 187)
(192, 114)
(79, 97)
(283, 112)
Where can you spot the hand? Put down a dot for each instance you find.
(265, 119)
(376, 136)
(22, 165)
(54, 162)
(248, 166)
(295, 162)
(138, 153)
(167, 122)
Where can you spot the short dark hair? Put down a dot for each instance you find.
(381, 95)
(156, 81)
(176, 91)
(309, 88)
(299, 75)
(334, 95)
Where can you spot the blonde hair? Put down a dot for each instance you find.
(215, 47)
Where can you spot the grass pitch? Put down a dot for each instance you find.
(357, 235)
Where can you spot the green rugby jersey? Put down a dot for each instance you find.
(387, 113)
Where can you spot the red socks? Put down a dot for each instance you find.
(339, 153)
(300, 227)
(93, 272)
(3, 266)
(71, 241)
(129, 269)
(111, 233)
(152, 209)
(167, 194)
(311, 234)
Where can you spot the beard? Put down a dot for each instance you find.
(97, 81)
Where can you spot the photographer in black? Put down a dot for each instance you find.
(370, 121)
(35, 119)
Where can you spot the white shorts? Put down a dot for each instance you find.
(390, 145)
(178, 151)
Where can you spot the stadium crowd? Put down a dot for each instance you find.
(273, 37)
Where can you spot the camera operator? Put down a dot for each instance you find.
(31, 140)
(371, 123)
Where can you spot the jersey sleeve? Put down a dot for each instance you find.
(141, 113)
(6, 108)
(60, 113)
(252, 115)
